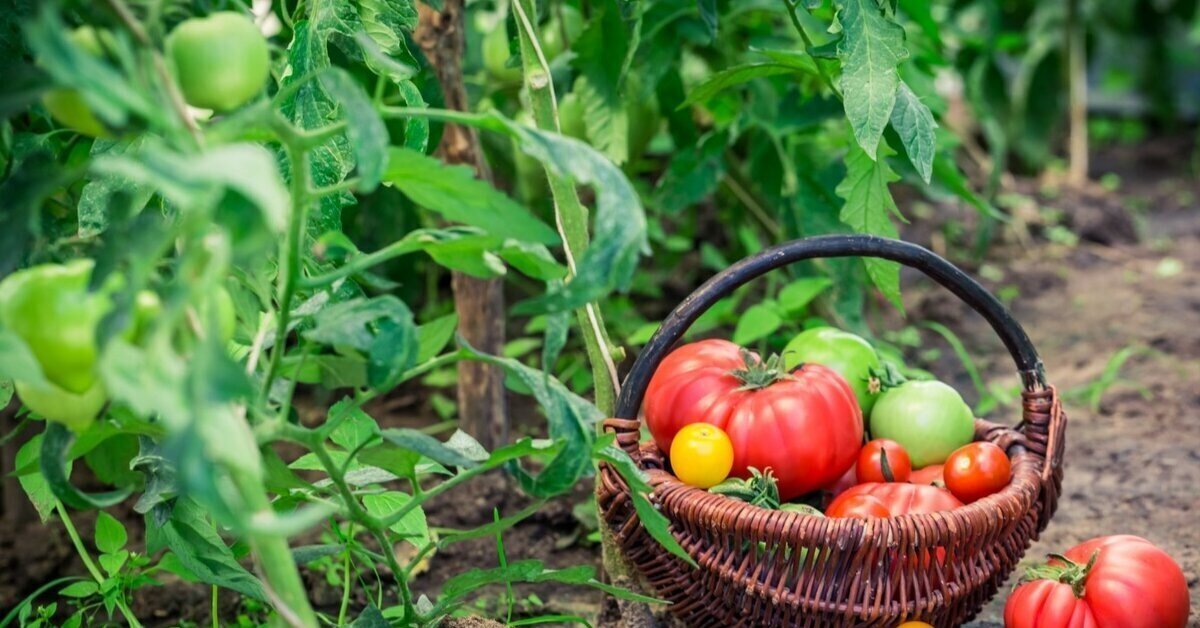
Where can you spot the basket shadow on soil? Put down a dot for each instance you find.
(1132, 466)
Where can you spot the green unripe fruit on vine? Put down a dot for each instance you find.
(495, 56)
(221, 60)
(67, 106)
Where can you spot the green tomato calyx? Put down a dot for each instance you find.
(760, 373)
(1069, 572)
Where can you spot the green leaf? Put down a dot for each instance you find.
(110, 534)
(33, 483)
(81, 589)
(190, 535)
(914, 122)
(758, 321)
(600, 58)
(729, 77)
(693, 174)
(370, 617)
(708, 14)
(99, 193)
(193, 181)
(427, 446)
(112, 563)
(56, 440)
(659, 527)
(355, 429)
(868, 203)
(533, 260)
(410, 527)
(160, 484)
(797, 295)
(365, 129)
(870, 49)
(24, 191)
(455, 193)
(571, 420)
(312, 108)
(433, 336)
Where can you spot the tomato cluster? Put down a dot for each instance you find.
(802, 418)
(220, 61)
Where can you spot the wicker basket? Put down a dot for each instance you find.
(762, 567)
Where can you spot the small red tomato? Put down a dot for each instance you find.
(883, 460)
(977, 470)
(929, 475)
(858, 507)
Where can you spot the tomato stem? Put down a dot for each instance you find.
(760, 373)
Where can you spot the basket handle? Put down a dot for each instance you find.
(633, 391)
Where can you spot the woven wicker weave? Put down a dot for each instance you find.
(762, 567)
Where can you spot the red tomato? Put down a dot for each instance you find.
(929, 475)
(805, 426)
(902, 499)
(1131, 584)
(858, 507)
(843, 484)
(977, 470)
(872, 458)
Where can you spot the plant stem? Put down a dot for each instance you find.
(792, 7)
(216, 622)
(346, 564)
(571, 217)
(86, 557)
(274, 558)
(1076, 48)
(290, 253)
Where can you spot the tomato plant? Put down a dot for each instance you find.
(928, 418)
(1106, 582)
(882, 460)
(816, 425)
(977, 470)
(701, 455)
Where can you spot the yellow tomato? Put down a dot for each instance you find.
(702, 455)
(915, 624)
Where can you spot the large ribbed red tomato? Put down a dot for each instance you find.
(902, 498)
(1130, 584)
(805, 426)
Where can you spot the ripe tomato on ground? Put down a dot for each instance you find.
(929, 418)
(805, 426)
(1107, 582)
(977, 470)
(901, 498)
(701, 455)
(883, 460)
(858, 507)
(221, 60)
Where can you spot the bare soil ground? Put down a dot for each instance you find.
(1133, 463)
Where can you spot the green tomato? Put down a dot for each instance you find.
(50, 308)
(851, 356)
(77, 411)
(67, 105)
(495, 56)
(928, 418)
(554, 30)
(571, 117)
(221, 60)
